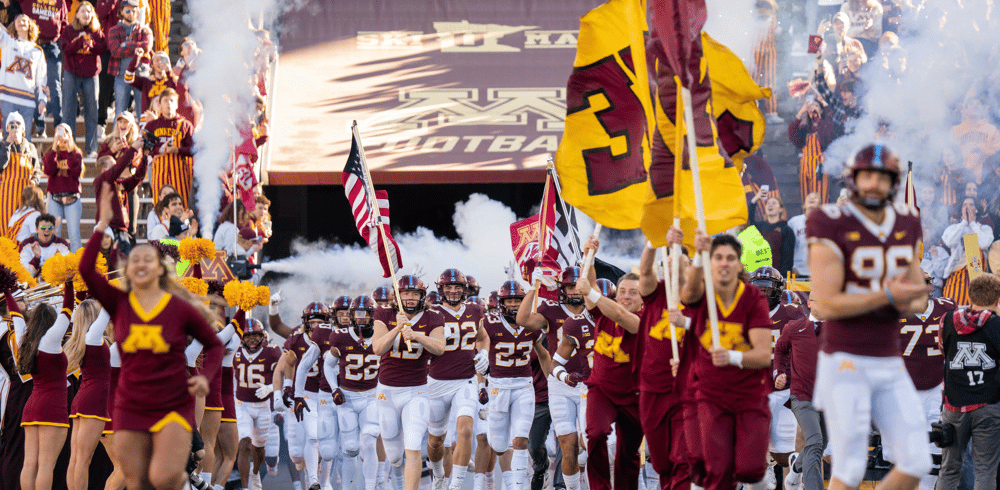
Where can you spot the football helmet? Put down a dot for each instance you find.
(383, 296)
(456, 278)
(254, 332)
(567, 279)
(342, 303)
(471, 286)
(493, 304)
(877, 157)
(315, 311)
(509, 290)
(607, 288)
(363, 315)
(770, 282)
(433, 298)
(410, 282)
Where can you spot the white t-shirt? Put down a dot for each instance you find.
(27, 226)
(158, 232)
(801, 261)
(151, 222)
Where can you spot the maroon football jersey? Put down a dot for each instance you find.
(654, 340)
(400, 366)
(320, 336)
(358, 363)
(460, 328)
(253, 371)
(510, 347)
(581, 329)
(614, 349)
(748, 311)
(872, 254)
(298, 346)
(919, 336)
(555, 314)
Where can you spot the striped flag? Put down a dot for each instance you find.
(363, 199)
(565, 237)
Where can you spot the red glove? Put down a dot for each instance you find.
(573, 379)
(338, 397)
(484, 397)
(300, 405)
(288, 396)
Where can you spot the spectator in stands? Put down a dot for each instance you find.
(19, 166)
(970, 342)
(63, 164)
(122, 181)
(225, 234)
(152, 113)
(175, 221)
(22, 222)
(812, 130)
(849, 69)
(956, 286)
(765, 54)
(841, 41)
(976, 136)
(50, 15)
(172, 158)
(841, 104)
(24, 90)
(36, 249)
(123, 40)
(122, 135)
(800, 266)
(774, 226)
(153, 218)
(865, 22)
(159, 78)
(83, 44)
(261, 217)
(893, 14)
(107, 15)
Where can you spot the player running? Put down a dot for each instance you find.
(253, 366)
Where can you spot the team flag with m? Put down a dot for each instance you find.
(363, 199)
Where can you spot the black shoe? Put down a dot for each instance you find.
(314, 486)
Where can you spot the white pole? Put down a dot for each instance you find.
(671, 285)
(588, 261)
(713, 314)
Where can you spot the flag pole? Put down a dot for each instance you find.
(377, 212)
(543, 231)
(562, 204)
(713, 314)
(588, 261)
(671, 284)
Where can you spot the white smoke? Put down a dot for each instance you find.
(735, 24)
(320, 271)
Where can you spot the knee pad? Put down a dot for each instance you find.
(581, 459)
(351, 453)
(328, 449)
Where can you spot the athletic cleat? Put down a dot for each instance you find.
(439, 483)
(793, 481)
(255, 483)
(314, 486)
(769, 479)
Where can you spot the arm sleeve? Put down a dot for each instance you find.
(239, 322)
(75, 165)
(116, 357)
(140, 174)
(226, 333)
(99, 286)
(787, 249)
(305, 364)
(41, 72)
(187, 140)
(191, 353)
(781, 348)
(198, 328)
(984, 234)
(331, 369)
(49, 163)
(796, 133)
(51, 342)
(95, 334)
(952, 235)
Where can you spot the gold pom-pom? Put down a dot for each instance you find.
(194, 250)
(59, 268)
(195, 285)
(101, 266)
(231, 293)
(248, 296)
(263, 296)
(10, 258)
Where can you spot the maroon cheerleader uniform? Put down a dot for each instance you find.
(228, 395)
(91, 401)
(48, 404)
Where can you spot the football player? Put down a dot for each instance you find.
(866, 275)
(253, 366)
(511, 391)
(732, 381)
(406, 341)
(452, 379)
(383, 297)
(783, 424)
(924, 362)
(612, 392)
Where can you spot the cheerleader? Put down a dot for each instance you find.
(227, 442)
(153, 414)
(46, 414)
(87, 349)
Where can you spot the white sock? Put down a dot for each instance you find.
(489, 478)
(478, 481)
(312, 461)
(297, 484)
(347, 469)
(519, 468)
(324, 472)
(458, 476)
(437, 468)
(383, 472)
(207, 477)
(397, 477)
(572, 481)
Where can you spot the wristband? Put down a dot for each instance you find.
(560, 359)
(594, 295)
(736, 358)
(272, 310)
(697, 262)
(888, 294)
(559, 372)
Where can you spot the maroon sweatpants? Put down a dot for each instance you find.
(662, 418)
(734, 439)
(692, 439)
(603, 409)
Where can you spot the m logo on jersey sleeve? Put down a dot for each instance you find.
(972, 354)
(145, 337)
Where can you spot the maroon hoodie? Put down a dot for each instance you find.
(82, 51)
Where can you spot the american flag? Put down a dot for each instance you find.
(565, 234)
(362, 198)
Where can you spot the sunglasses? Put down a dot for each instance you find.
(46, 227)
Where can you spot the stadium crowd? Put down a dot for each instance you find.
(178, 383)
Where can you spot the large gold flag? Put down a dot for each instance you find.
(727, 122)
(604, 155)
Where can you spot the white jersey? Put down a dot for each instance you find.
(23, 71)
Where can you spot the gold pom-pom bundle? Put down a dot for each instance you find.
(246, 295)
(10, 258)
(194, 250)
(101, 266)
(263, 296)
(195, 285)
(60, 268)
(231, 293)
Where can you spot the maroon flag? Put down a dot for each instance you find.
(677, 25)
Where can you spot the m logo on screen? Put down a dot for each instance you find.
(972, 354)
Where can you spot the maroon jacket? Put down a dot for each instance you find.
(63, 180)
(82, 51)
(121, 187)
(795, 355)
